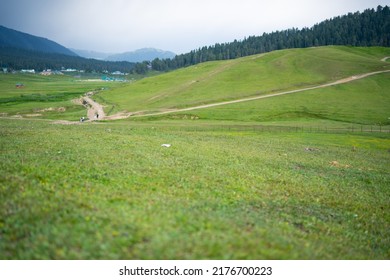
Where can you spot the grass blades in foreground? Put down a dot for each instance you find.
(110, 191)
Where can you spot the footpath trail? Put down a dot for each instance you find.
(95, 110)
(342, 81)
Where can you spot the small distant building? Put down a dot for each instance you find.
(30, 71)
(19, 85)
(49, 72)
(69, 70)
(118, 73)
(112, 79)
(46, 72)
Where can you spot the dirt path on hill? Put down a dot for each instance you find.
(342, 81)
(95, 108)
(95, 111)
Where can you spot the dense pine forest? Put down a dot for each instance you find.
(370, 28)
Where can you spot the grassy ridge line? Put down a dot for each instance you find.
(342, 81)
(220, 81)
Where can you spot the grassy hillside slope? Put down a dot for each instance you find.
(260, 74)
(365, 102)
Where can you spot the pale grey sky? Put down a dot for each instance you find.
(175, 25)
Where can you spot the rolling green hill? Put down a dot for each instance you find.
(277, 71)
(365, 102)
(112, 191)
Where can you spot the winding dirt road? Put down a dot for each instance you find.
(342, 81)
(96, 111)
(95, 108)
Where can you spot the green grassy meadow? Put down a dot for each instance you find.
(109, 190)
(48, 97)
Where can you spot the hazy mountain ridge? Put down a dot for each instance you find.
(144, 54)
(10, 38)
(91, 54)
(20, 50)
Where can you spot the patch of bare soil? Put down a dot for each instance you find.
(95, 110)
(335, 163)
(118, 116)
(50, 109)
(66, 122)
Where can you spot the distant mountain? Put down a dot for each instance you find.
(19, 50)
(146, 54)
(91, 54)
(10, 38)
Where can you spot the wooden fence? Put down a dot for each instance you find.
(291, 129)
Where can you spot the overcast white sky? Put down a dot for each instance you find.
(175, 25)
